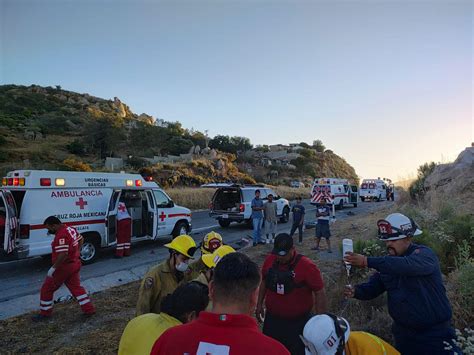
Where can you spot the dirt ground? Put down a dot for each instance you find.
(69, 333)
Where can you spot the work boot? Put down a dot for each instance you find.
(40, 318)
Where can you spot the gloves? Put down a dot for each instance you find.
(51, 271)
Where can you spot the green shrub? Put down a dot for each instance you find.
(76, 147)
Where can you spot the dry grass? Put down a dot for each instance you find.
(194, 198)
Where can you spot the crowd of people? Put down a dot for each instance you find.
(222, 302)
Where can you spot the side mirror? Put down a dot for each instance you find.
(170, 204)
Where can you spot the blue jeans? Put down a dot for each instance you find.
(257, 229)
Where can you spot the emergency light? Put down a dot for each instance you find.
(45, 182)
(138, 183)
(60, 182)
(129, 182)
(4, 181)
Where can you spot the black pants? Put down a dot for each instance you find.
(286, 331)
(294, 226)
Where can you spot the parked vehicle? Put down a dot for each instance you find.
(297, 184)
(373, 189)
(87, 201)
(232, 203)
(340, 191)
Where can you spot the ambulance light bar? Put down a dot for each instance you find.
(138, 183)
(129, 183)
(13, 181)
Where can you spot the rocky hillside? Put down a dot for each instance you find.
(52, 128)
(454, 181)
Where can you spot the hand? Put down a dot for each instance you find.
(356, 260)
(349, 291)
(51, 271)
(260, 313)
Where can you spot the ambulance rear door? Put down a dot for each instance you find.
(152, 220)
(8, 221)
(111, 229)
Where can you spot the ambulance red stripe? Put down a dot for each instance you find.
(179, 215)
(76, 223)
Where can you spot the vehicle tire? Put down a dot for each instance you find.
(355, 204)
(180, 228)
(285, 217)
(362, 199)
(89, 250)
(378, 198)
(224, 223)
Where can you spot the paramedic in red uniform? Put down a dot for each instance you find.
(65, 270)
(124, 231)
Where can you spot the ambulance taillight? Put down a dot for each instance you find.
(24, 231)
(242, 208)
(16, 182)
(45, 182)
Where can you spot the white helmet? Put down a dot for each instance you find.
(397, 226)
(325, 334)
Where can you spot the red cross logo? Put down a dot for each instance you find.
(81, 203)
(162, 216)
(121, 208)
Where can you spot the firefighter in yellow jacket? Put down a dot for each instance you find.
(327, 334)
(209, 244)
(164, 278)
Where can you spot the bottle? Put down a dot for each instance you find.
(347, 246)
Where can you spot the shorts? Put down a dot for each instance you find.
(322, 231)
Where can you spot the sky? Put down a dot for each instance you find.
(388, 85)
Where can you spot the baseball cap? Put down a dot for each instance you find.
(283, 244)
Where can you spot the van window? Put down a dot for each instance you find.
(371, 186)
(161, 199)
(363, 186)
(248, 195)
(113, 201)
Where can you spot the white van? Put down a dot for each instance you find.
(373, 189)
(340, 191)
(87, 201)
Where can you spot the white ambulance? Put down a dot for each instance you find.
(341, 192)
(87, 201)
(373, 189)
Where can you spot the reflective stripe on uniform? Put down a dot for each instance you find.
(84, 302)
(81, 297)
(61, 248)
(45, 303)
(45, 308)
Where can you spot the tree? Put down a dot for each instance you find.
(305, 145)
(179, 145)
(319, 146)
(230, 144)
(105, 135)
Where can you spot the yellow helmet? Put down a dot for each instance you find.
(211, 242)
(211, 260)
(183, 244)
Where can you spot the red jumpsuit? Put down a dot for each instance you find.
(66, 240)
(124, 231)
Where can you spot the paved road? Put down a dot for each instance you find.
(21, 280)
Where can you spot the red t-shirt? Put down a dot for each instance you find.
(66, 240)
(299, 301)
(217, 334)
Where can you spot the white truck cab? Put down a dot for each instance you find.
(373, 189)
(342, 193)
(87, 201)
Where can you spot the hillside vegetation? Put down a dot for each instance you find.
(52, 128)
